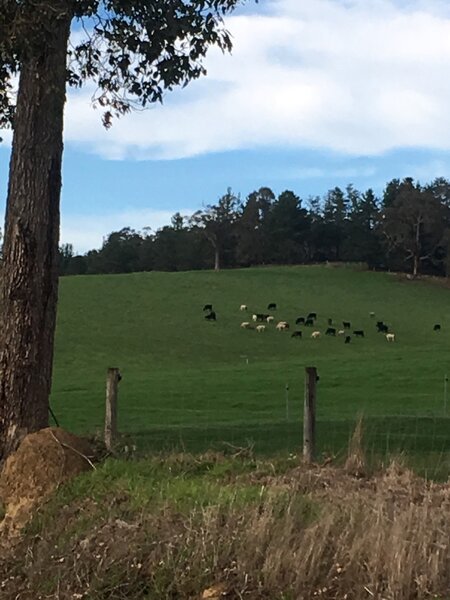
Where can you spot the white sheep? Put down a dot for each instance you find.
(260, 328)
(390, 337)
(341, 332)
(245, 325)
(282, 325)
(315, 335)
(270, 319)
(255, 317)
(243, 307)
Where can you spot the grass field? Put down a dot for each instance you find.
(193, 383)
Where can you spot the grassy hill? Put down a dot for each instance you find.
(192, 383)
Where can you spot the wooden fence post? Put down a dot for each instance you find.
(309, 415)
(112, 382)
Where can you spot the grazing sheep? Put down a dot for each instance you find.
(390, 337)
(358, 333)
(437, 327)
(300, 320)
(371, 315)
(260, 328)
(270, 319)
(245, 325)
(331, 331)
(243, 307)
(315, 335)
(207, 307)
(282, 325)
(348, 339)
(271, 306)
(211, 316)
(312, 315)
(309, 323)
(341, 332)
(346, 324)
(296, 334)
(259, 317)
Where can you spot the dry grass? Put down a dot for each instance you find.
(309, 533)
(356, 460)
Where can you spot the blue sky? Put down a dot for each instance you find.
(315, 94)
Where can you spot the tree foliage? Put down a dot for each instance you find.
(266, 229)
(415, 223)
(132, 50)
(217, 223)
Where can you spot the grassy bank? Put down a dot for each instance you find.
(172, 527)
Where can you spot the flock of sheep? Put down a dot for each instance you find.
(310, 321)
(265, 319)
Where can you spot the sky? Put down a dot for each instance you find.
(315, 94)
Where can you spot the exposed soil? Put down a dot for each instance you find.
(42, 462)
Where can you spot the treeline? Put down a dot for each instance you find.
(406, 229)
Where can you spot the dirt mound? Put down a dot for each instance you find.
(42, 462)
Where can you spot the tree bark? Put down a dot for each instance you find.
(29, 284)
(416, 251)
(415, 265)
(216, 258)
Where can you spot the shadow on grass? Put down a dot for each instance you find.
(383, 437)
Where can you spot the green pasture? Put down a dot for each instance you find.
(193, 384)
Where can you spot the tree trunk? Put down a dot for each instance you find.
(415, 265)
(29, 283)
(416, 258)
(216, 258)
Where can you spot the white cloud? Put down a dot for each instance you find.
(87, 232)
(318, 172)
(354, 76)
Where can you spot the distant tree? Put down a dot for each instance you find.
(393, 188)
(120, 252)
(315, 251)
(77, 265)
(265, 198)
(251, 228)
(177, 247)
(217, 223)
(414, 223)
(287, 225)
(362, 241)
(65, 256)
(146, 252)
(133, 51)
(335, 221)
(440, 189)
(166, 248)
